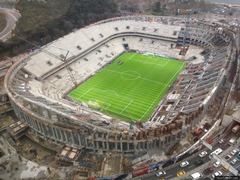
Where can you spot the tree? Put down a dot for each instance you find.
(157, 7)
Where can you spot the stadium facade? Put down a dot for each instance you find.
(37, 85)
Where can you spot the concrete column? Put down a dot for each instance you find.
(31, 106)
(135, 144)
(97, 144)
(40, 110)
(73, 141)
(55, 129)
(39, 125)
(155, 143)
(60, 132)
(94, 147)
(86, 141)
(26, 119)
(65, 134)
(48, 130)
(32, 124)
(49, 114)
(139, 146)
(54, 136)
(144, 147)
(121, 144)
(116, 146)
(79, 139)
(35, 125)
(45, 133)
(107, 142)
(147, 145)
(128, 146)
(103, 142)
(103, 145)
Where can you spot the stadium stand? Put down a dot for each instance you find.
(38, 84)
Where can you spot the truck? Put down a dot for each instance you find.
(235, 128)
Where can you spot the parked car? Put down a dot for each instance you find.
(234, 161)
(238, 169)
(227, 157)
(208, 170)
(199, 162)
(161, 173)
(202, 154)
(221, 141)
(184, 164)
(181, 173)
(216, 164)
(234, 152)
(218, 173)
(224, 168)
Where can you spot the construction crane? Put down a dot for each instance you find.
(70, 71)
(54, 56)
(183, 50)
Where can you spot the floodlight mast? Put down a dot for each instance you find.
(183, 47)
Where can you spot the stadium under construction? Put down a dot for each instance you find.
(38, 84)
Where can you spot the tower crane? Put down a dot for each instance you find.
(54, 56)
(183, 50)
(70, 72)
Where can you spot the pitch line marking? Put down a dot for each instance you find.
(126, 106)
(131, 100)
(107, 91)
(146, 62)
(132, 55)
(85, 93)
(127, 73)
(160, 93)
(139, 77)
(109, 104)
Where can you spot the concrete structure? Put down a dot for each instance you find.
(37, 84)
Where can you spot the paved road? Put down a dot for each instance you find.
(12, 17)
(171, 172)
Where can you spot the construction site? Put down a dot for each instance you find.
(46, 136)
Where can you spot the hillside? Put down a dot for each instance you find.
(47, 20)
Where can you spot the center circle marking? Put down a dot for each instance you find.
(130, 75)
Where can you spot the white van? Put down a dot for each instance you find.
(196, 175)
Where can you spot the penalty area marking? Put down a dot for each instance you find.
(108, 92)
(146, 62)
(94, 100)
(126, 107)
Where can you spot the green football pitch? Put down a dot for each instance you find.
(132, 90)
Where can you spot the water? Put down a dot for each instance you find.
(225, 1)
